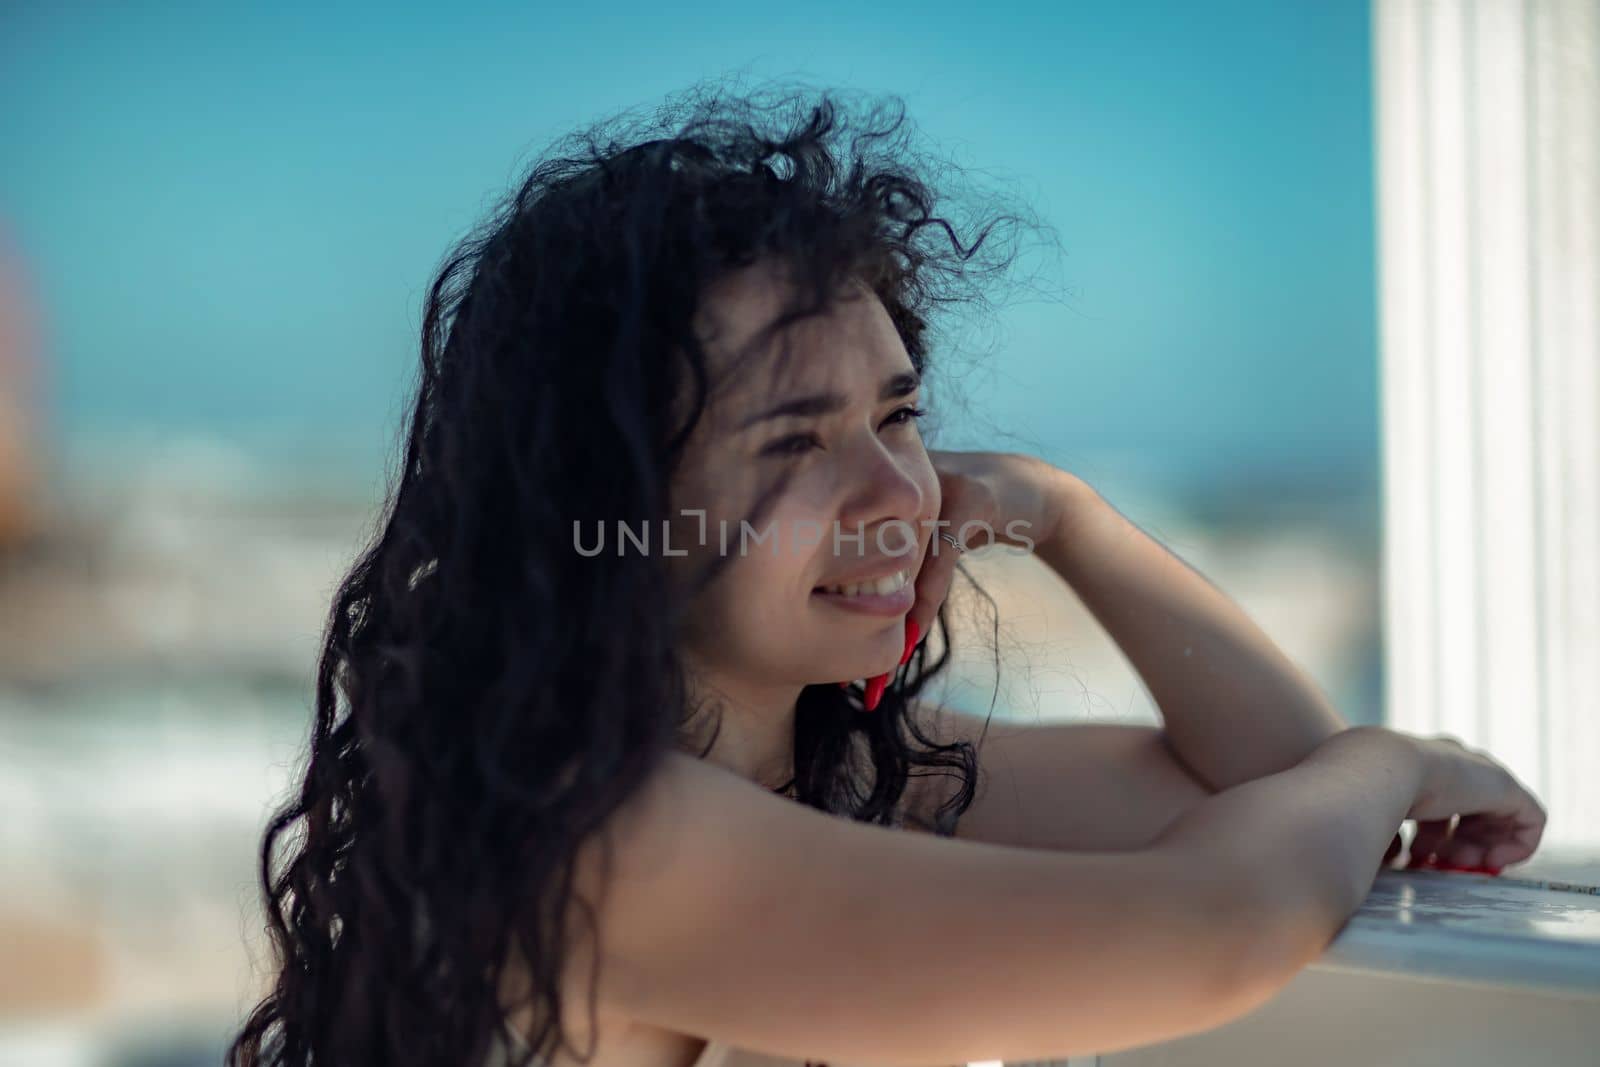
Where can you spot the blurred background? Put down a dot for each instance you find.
(216, 226)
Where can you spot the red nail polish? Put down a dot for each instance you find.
(913, 631)
(844, 685)
(1481, 869)
(875, 690)
(1443, 865)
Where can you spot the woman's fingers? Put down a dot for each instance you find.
(1480, 840)
(1466, 846)
(1430, 839)
(1514, 851)
(1503, 841)
(933, 583)
(1465, 854)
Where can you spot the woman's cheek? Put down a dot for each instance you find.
(933, 500)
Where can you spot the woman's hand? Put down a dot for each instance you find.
(988, 497)
(985, 497)
(1497, 820)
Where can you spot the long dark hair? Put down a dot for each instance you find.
(482, 704)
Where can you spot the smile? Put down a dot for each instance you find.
(884, 597)
(881, 587)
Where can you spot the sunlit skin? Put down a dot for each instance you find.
(761, 633)
(757, 636)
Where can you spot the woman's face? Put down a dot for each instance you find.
(856, 466)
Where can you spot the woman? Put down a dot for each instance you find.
(617, 733)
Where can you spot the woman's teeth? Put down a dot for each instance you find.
(881, 587)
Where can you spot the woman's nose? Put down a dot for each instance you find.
(880, 485)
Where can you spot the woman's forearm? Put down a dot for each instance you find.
(1307, 842)
(1234, 706)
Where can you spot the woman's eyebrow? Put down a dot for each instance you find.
(897, 385)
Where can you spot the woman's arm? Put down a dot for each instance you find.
(1234, 706)
(1313, 835)
(727, 912)
(1090, 786)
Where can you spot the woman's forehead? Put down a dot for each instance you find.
(850, 342)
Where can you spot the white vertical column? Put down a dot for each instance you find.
(1488, 171)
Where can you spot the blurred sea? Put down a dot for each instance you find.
(246, 282)
(156, 653)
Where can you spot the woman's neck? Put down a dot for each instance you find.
(755, 735)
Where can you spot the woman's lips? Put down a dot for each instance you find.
(885, 604)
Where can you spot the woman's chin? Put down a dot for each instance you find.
(860, 674)
(846, 662)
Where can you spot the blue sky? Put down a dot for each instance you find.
(232, 215)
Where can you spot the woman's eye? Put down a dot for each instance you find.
(911, 415)
(803, 442)
(791, 446)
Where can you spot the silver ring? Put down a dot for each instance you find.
(955, 544)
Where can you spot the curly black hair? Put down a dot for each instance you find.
(478, 712)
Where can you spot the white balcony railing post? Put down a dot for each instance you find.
(1488, 172)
